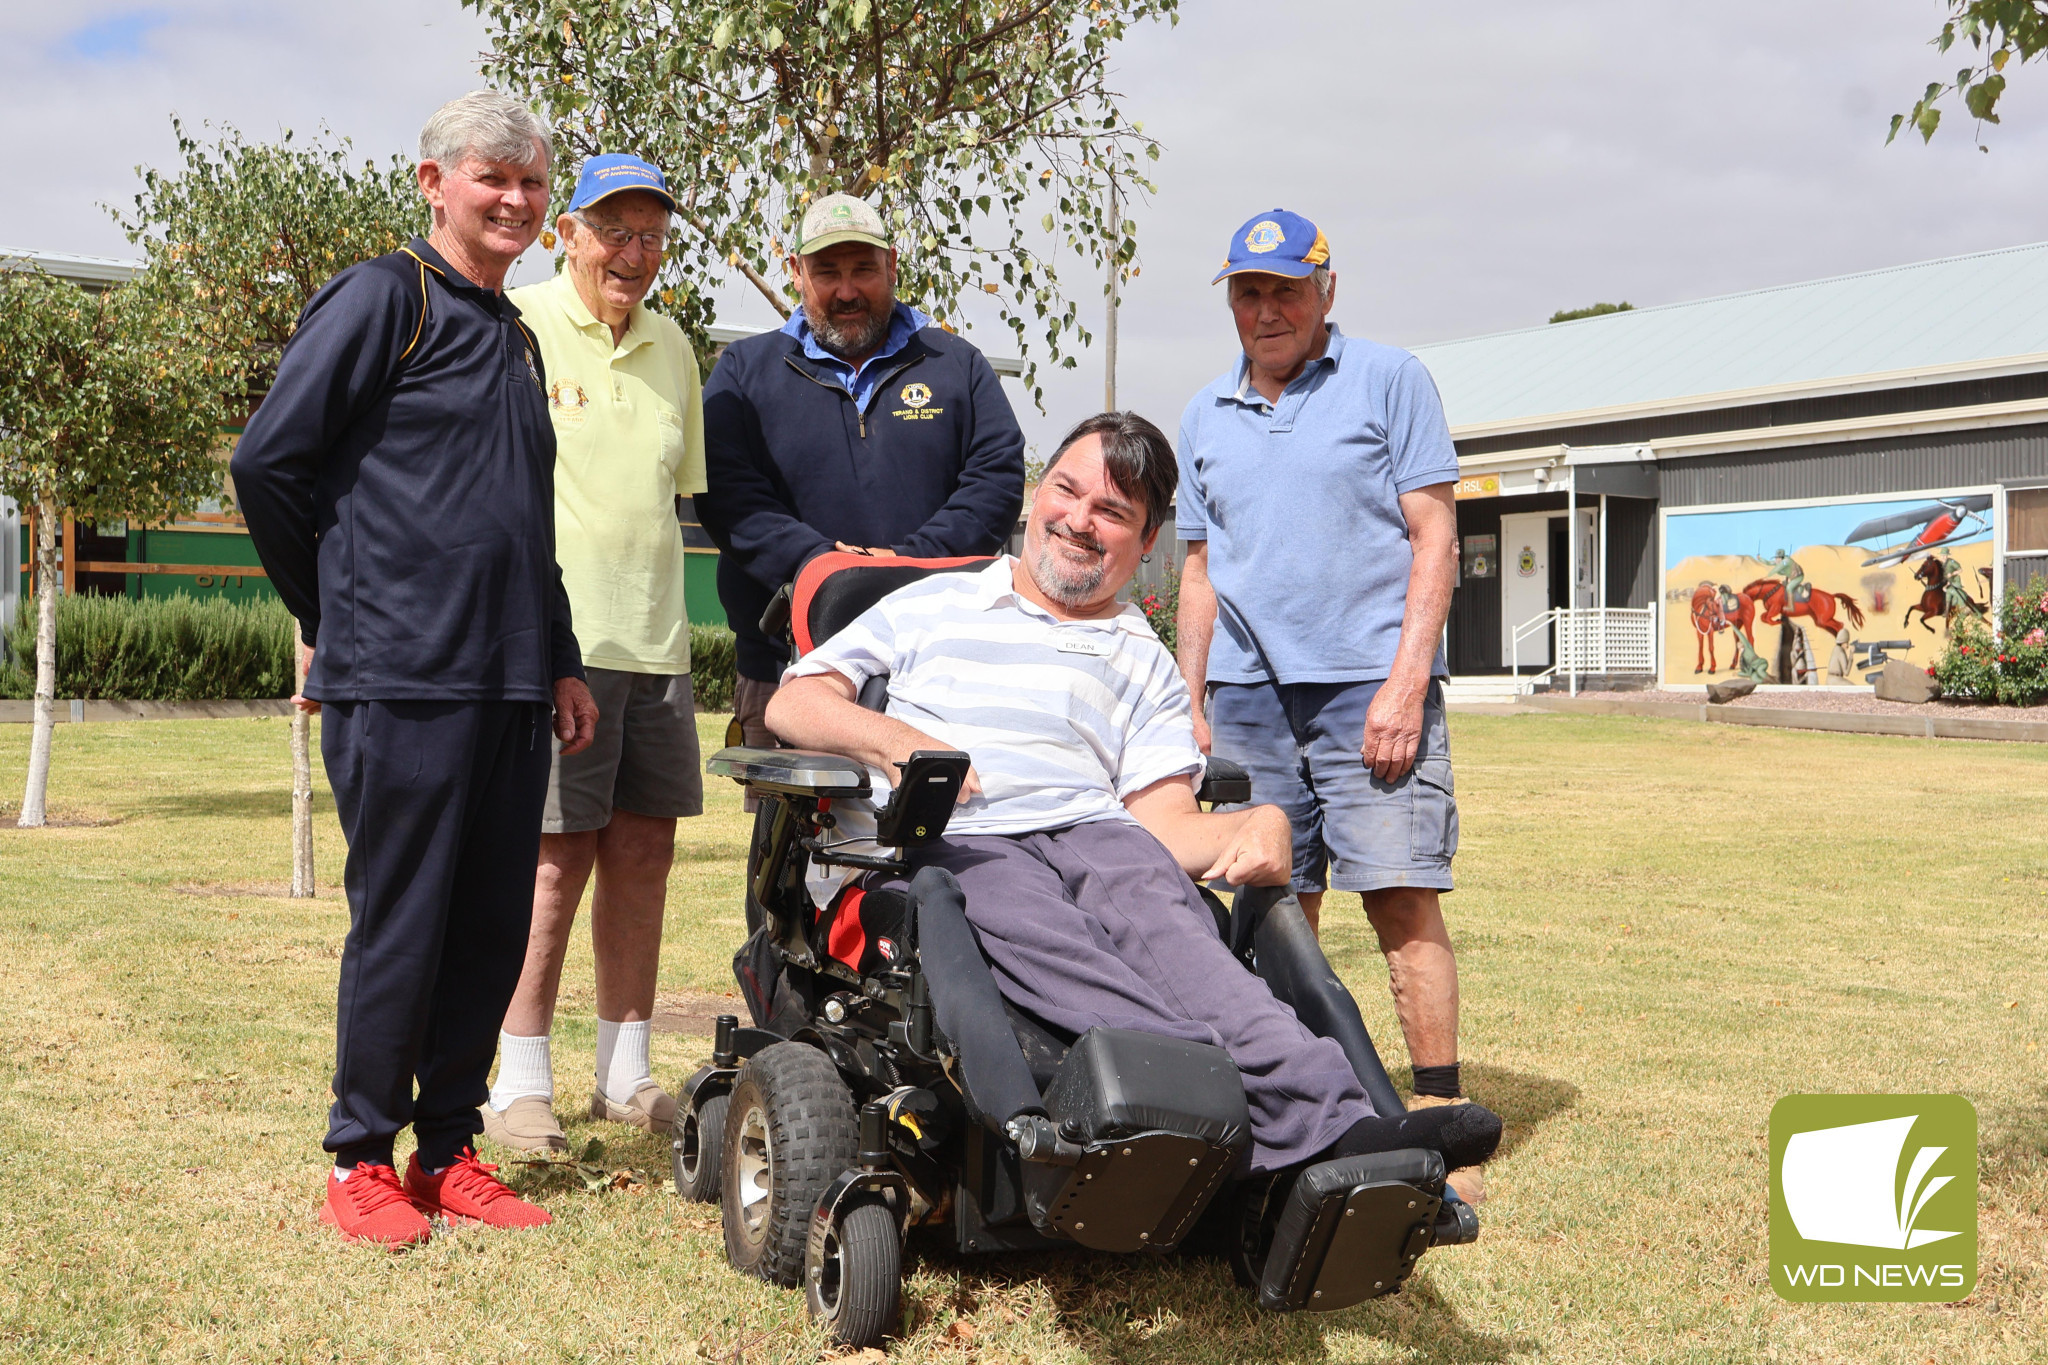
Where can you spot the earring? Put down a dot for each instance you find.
(1144, 559)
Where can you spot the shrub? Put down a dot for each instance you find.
(1161, 606)
(2009, 667)
(714, 660)
(178, 648)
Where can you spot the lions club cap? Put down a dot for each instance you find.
(604, 176)
(1275, 243)
(840, 218)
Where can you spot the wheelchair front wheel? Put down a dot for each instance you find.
(699, 1150)
(790, 1130)
(853, 1272)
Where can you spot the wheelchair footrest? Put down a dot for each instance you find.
(1352, 1230)
(1129, 1194)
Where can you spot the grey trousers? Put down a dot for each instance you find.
(1097, 926)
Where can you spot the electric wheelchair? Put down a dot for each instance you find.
(884, 1086)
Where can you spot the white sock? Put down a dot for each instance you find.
(622, 1065)
(524, 1068)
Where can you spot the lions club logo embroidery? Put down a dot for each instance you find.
(917, 395)
(566, 394)
(1265, 236)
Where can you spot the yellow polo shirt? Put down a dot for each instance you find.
(629, 436)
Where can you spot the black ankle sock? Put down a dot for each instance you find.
(438, 1151)
(375, 1154)
(1440, 1081)
(1466, 1134)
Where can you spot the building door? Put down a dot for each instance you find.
(1524, 586)
(1534, 566)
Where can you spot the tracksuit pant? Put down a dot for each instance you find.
(441, 804)
(1097, 926)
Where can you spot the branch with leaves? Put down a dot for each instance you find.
(243, 234)
(964, 123)
(1997, 31)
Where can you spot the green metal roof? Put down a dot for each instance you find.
(1948, 313)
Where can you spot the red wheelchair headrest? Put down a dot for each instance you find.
(835, 588)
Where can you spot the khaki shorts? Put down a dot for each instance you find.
(750, 708)
(750, 714)
(644, 758)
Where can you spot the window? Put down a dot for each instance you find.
(2026, 521)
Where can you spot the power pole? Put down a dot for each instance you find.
(1109, 323)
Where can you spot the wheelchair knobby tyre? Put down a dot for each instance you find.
(790, 1129)
(853, 1271)
(699, 1150)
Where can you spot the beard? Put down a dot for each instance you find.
(850, 334)
(1070, 585)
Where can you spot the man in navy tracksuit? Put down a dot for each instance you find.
(857, 426)
(398, 482)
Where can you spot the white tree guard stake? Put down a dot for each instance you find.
(302, 778)
(35, 795)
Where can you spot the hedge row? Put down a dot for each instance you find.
(177, 648)
(714, 662)
(184, 648)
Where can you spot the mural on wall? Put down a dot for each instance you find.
(1821, 595)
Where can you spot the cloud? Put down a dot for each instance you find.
(1477, 167)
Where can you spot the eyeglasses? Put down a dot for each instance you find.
(616, 238)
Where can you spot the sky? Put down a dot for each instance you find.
(1475, 167)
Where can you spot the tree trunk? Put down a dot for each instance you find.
(35, 796)
(302, 779)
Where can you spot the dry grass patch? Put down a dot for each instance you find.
(1662, 927)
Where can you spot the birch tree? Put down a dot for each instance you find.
(107, 413)
(985, 130)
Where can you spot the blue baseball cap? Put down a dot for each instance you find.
(603, 176)
(1275, 243)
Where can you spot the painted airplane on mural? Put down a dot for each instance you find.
(1939, 523)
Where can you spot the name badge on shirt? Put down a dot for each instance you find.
(1093, 646)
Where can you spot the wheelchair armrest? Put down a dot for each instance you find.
(793, 772)
(1224, 783)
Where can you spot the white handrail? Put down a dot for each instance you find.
(1591, 640)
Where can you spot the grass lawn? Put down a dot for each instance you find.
(1662, 928)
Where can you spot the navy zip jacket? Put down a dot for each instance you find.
(934, 467)
(398, 482)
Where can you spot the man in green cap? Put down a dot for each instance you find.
(859, 425)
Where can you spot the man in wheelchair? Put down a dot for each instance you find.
(1027, 1024)
(1078, 830)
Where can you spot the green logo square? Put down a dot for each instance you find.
(1873, 1198)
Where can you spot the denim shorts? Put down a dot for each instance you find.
(1352, 832)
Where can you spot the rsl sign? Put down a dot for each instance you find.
(1477, 486)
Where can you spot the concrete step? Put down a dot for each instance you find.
(1480, 689)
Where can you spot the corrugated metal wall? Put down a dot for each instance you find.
(1952, 459)
(1631, 549)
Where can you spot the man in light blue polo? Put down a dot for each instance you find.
(1315, 497)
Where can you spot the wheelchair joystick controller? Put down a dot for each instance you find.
(1038, 1139)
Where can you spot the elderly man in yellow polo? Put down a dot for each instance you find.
(624, 396)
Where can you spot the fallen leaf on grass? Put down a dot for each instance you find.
(962, 1330)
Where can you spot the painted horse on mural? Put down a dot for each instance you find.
(1715, 608)
(1817, 605)
(1945, 592)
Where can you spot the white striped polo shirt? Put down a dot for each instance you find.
(1063, 719)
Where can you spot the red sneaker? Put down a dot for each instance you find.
(371, 1206)
(467, 1192)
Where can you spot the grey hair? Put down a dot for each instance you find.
(1324, 284)
(488, 126)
